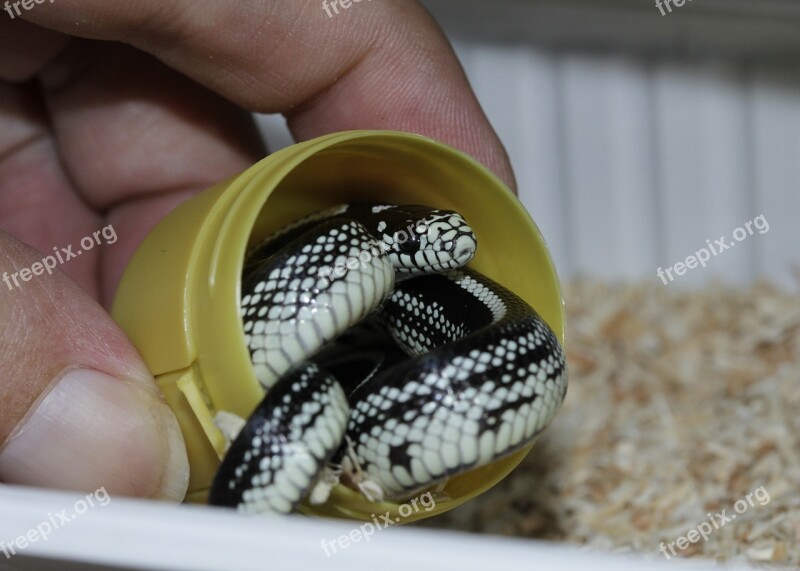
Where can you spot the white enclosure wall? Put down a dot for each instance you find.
(629, 163)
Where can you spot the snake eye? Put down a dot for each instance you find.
(408, 247)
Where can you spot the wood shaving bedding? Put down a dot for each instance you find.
(679, 405)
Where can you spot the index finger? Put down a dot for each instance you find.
(328, 66)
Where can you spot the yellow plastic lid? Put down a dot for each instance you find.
(178, 300)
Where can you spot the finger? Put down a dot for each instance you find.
(25, 48)
(137, 138)
(78, 409)
(37, 201)
(378, 65)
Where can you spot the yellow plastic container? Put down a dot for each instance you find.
(179, 297)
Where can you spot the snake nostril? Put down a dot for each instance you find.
(464, 249)
(464, 252)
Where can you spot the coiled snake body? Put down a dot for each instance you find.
(452, 371)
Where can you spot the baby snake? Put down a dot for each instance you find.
(383, 356)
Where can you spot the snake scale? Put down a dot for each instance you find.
(384, 358)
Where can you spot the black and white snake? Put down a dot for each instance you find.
(384, 358)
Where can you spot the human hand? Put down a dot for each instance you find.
(113, 113)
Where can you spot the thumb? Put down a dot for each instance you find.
(78, 408)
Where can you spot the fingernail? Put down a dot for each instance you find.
(91, 431)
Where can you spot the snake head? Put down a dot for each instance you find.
(420, 240)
